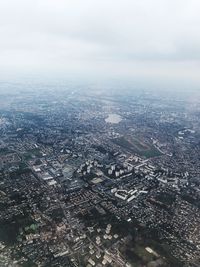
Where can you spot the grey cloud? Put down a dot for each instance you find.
(123, 37)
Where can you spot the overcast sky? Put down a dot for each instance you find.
(143, 39)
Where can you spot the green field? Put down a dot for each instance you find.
(135, 145)
(138, 256)
(32, 153)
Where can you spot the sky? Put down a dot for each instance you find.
(145, 40)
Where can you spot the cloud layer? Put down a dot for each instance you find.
(126, 38)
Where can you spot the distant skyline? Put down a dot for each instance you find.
(148, 41)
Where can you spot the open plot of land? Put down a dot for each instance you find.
(135, 145)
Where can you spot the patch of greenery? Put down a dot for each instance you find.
(31, 228)
(4, 151)
(135, 146)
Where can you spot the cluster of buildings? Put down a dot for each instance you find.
(76, 190)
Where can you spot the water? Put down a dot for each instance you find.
(113, 118)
